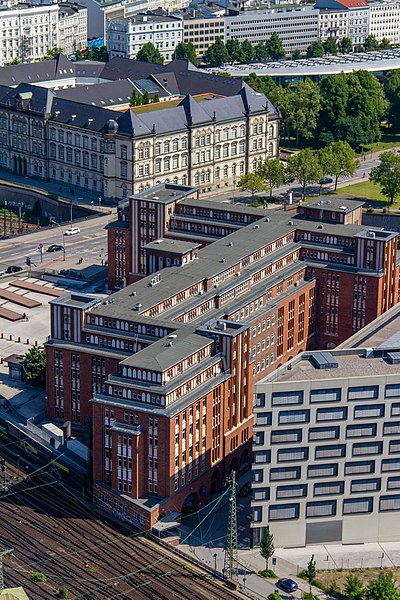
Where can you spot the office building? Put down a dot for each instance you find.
(326, 463)
(173, 357)
(125, 37)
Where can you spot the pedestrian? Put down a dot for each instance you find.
(102, 261)
(24, 316)
(365, 158)
(364, 174)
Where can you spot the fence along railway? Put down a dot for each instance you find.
(55, 533)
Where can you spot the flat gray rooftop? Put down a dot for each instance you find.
(334, 203)
(377, 332)
(351, 363)
(171, 246)
(165, 193)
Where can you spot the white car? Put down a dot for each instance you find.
(72, 231)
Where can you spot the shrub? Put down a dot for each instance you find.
(267, 573)
(308, 596)
(63, 592)
(39, 577)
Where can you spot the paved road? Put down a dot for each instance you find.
(87, 243)
(361, 174)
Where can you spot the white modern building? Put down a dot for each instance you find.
(297, 26)
(384, 20)
(340, 19)
(27, 32)
(327, 443)
(125, 37)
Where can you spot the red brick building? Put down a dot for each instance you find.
(164, 368)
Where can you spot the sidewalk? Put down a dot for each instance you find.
(55, 190)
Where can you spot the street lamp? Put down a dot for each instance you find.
(62, 233)
(215, 561)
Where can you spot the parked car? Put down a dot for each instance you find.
(13, 269)
(72, 231)
(2, 273)
(245, 490)
(55, 248)
(287, 585)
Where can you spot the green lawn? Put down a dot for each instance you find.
(366, 190)
(170, 103)
(388, 141)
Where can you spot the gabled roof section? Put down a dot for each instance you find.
(181, 65)
(131, 124)
(254, 101)
(194, 111)
(30, 97)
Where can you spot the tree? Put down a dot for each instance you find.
(145, 98)
(338, 159)
(354, 589)
(52, 53)
(306, 106)
(282, 98)
(100, 54)
(315, 50)
(261, 52)
(304, 167)
(267, 546)
(216, 54)
(385, 44)
(274, 596)
(186, 52)
(382, 588)
(273, 173)
(387, 175)
(155, 99)
(63, 592)
(330, 46)
(392, 92)
(252, 182)
(150, 54)
(296, 55)
(263, 84)
(249, 53)
(370, 43)
(136, 99)
(275, 47)
(310, 572)
(235, 50)
(34, 365)
(345, 45)
(15, 61)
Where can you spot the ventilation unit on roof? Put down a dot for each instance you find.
(290, 222)
(393, 358)
(267, 220)
(137, 306)
(256, 227)
(230, 244)
(323, 360)
(371, 234)
(320, 226)
(221, 325)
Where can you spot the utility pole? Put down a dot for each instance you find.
(2, 553)
(231, 547)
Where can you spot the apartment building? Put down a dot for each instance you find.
(28, 32)
(220, 130)
(72, 26)
(384, 20)
(173, 357)
(125, 37)
(326, 443)
(344, 18)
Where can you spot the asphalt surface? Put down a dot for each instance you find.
(87, 244)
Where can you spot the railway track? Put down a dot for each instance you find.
(55, 533)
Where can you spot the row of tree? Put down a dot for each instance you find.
(346, 106)
(246, 52)
(140, 100)
(337, 159)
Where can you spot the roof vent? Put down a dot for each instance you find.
(256, 227)
(320, 226)
(221, 325)
(267, 220)
(172, 336)
(323, 360)
(290, 222)
(230, 244)
(371, 234)
(137, 306)
(393, 358)
(223, 260)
